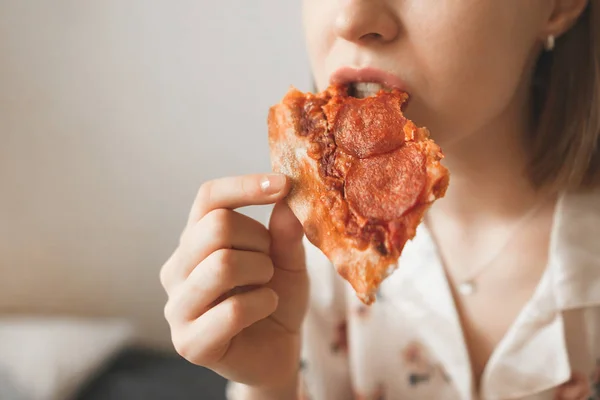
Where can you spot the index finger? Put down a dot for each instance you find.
(238, 191)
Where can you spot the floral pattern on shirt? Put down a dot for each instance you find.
(361, 311)
(340, 341)
(303, 393)
(421, 368)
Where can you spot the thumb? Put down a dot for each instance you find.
(287, 250)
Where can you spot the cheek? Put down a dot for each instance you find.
(466, 74)
(464, 90)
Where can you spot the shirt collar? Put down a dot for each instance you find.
(575, 250)
(533, 356)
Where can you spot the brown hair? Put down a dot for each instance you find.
(565, 146)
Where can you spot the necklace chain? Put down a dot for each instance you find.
(466, 285)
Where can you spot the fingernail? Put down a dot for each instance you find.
(273, 184)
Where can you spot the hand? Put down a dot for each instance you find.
(238, 292)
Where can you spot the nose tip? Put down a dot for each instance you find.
(362, 21)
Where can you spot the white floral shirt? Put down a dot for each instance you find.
(410, 345)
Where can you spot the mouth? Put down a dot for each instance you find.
(366, 82)
(362, 90)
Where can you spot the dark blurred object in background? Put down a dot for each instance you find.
(142, 374)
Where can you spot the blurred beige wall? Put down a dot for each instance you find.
(112, 112)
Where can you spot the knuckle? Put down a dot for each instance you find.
(264, 266)
(205, 192)
(218, 219)
(224, 257)
(191, 236)
(168, 311)
(218, 225)
(214, 227)
(183, 347)
(191, 347)
(235, 311)
(224, 266)
(269, 267)
(166, 272)
(162, 276)
(266, 237)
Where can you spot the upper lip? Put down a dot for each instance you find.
(346, 75)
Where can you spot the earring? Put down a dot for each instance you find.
(550, 43)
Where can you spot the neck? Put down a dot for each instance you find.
(488, 179)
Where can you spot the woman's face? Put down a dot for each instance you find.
(464, 62)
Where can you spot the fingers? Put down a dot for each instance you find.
(287, 254)
(236, 192)
(220, 229)
(212, 225)
(216, 276)
(287, 250)
(206, 340)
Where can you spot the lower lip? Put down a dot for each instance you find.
(347, 75)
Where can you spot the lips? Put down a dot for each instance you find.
(365, 82)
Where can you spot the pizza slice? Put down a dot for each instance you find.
(362, 176)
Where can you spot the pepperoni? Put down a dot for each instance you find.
(385, 187)
(367, 127)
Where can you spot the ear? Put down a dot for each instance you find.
(565, 14)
